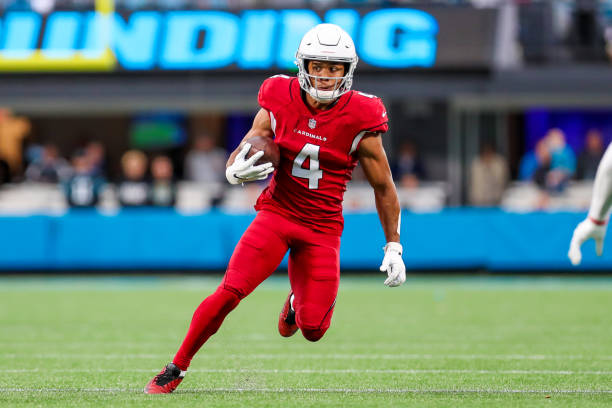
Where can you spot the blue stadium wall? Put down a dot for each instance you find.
(158, 239)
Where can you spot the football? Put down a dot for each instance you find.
(270, 149)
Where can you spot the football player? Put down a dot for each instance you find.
(322, 129)
(596, 223)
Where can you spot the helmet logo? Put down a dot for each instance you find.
(312, 123)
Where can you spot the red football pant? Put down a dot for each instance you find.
(314, 274)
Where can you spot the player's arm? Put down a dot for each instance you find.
(238, 170)
(602, 189)
(376, 168)
(596, 224)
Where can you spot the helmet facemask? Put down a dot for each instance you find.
(309, 82)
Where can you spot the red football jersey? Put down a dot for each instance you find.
(318, 151)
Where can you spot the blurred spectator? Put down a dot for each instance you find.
(488, 177)
(163, 188)
(557, 162)
(589, 158)
(563, 159)
(540, 175)
(551, 155)
(205, 163)
(83, 188)
(543, 160)
(96, 152)
(49, 167)
(133, 189)
(33, 152)
(532, 161)
(13, 129)
(409, 169)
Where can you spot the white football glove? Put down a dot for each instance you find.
(393, 264)
(243, 170)
(586, 230)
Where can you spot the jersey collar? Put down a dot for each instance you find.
(308, 111)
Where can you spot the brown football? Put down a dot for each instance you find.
(271, 152)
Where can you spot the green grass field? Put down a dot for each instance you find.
(433, 342)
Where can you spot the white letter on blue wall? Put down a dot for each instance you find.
(180, 50)
(20, 34)
(348, 19)
(60, 37)
(135, 41)
(294, 24)
(97, 35)
(257, 39)
(398, 38)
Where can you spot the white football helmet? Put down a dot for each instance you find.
(326, 42)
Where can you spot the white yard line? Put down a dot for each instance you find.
(332, 356)
(311, 371)
(321, 390)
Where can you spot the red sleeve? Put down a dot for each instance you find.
(263, 97)
(375, 118)
(274, 92)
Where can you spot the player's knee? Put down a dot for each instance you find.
(228, 298)
(313, 322)
(232, 282)
(313, 334)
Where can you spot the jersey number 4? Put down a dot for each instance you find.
(313, 174)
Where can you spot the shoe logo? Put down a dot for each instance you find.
(312, 123)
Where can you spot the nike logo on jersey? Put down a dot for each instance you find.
(384, 114)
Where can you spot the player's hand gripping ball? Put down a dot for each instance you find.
(245, 167)
(266, 145)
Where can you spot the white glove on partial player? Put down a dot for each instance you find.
(243, 170)
(586, 230)
(393, 264)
